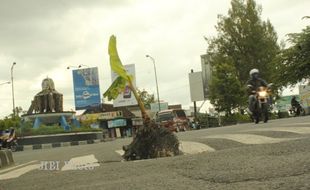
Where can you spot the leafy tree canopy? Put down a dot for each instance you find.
(243, 42)
(294, 62)
(146, 97)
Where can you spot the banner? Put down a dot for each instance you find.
(155, 106)
(86, 88)
(196, 86)
(126, 98)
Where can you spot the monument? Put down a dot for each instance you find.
(47, 108)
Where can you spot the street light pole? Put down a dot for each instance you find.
(72, 67)
(153, 60)
(12, 81)
(8, 82)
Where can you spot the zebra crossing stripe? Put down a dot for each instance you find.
(249, 138)
(18, 166)
(18, 172)
(81, 163)
(299, 130)
(188, 147)
(120, 152)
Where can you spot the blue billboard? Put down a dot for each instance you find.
(86, 88)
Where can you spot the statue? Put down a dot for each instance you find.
(48, 100)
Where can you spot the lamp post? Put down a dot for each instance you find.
(72, 67)
(12, 81)
(8, 82)
(153, 60)
(77, 67)
(83, 66)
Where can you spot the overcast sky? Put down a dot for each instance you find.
(44, 37)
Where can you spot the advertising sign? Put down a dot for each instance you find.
(196, 86)
(110, 115)
(117, 123)
(86, 88)
(155, 107)
(206, 74)
(126, 98)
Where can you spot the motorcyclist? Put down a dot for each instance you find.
(253, 84)
(294, 102)
(295, 105)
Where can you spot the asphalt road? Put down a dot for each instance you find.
(275, 155)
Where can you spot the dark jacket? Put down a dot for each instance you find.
(294, 103)
(256, 83)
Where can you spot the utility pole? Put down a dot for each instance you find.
(12, 81)
(153, 60)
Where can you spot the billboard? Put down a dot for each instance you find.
(155, 106)
(126, 98)
(86, 88)
(206, 74)
(196, 86)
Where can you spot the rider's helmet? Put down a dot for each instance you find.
(254, 73)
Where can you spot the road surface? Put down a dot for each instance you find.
(275, 155)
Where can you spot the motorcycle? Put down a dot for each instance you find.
(297, 110)
(262, 103)
(8, 140)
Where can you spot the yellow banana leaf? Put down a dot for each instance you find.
(119, 83)
(116, 88)
(115, 62)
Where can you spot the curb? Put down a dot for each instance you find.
(56, 145)
(6, 158)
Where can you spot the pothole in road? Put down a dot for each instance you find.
(186, 147)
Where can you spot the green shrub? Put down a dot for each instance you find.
(28, 130)
(235, 119)
(207, 121)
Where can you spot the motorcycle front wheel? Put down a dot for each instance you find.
(265, 112)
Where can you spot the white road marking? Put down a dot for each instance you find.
(187, 147)
(18, 172)
(290, 124)
(81, 163)
(299, 130)
(18, 166)
(120, 152)
(250, 139)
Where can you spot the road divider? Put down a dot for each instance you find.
(6, 158)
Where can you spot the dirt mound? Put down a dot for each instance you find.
(152, 142)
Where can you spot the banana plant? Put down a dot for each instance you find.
(123, 78)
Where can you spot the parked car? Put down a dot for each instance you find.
(174, 120)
